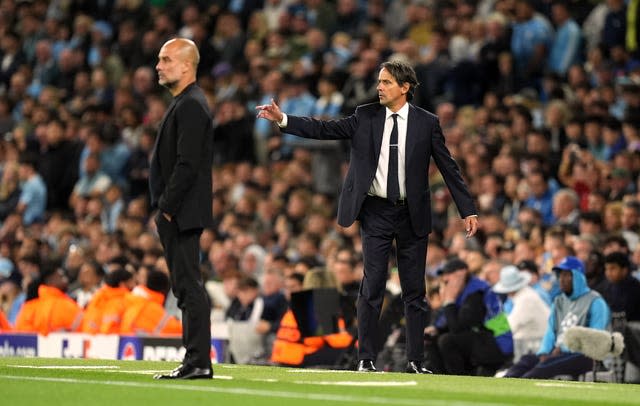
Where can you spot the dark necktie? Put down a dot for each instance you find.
(393, 188)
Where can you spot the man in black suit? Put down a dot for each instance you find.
(180, 185)
(387, 190)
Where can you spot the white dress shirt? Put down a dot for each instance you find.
(379, 185)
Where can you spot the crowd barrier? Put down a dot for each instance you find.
(102, 346)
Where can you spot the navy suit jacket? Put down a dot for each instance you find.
(180, 169)
(424, 140)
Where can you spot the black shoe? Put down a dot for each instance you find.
(415, 367)
(187, 372)
(366, 365)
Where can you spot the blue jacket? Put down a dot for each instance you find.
(598, 316)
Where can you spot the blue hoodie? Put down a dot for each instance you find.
(598, 315)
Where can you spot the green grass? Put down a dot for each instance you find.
(41, 381)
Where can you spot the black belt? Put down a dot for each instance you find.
(399, 202)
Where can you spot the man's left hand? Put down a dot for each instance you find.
(471, 225)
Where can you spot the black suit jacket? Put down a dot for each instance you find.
(424, 141)
(180, 172)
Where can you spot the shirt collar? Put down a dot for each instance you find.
(403, 113)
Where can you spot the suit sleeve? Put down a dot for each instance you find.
(307, 127)
(451, 173)
(192, 125)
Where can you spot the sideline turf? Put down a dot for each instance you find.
(61, 382)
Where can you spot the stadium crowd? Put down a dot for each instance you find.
(539, 102)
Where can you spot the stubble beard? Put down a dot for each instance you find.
(169, 85)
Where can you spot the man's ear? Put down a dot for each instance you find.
(405, 87)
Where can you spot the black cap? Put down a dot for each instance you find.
(528, 265)
(454, 264)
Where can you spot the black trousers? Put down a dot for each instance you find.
(181, 250)
(566, 363)
(465, 353)
(381, 223)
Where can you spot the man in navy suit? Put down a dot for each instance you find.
(181, 189)
(387, 190)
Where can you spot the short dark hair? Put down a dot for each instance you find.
(117, 276)
(402, 72)
(619, 258)
(158, 281)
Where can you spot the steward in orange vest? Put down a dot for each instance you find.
(291, 349)
(145, 313)
(52, 310)
(103, 314)
(4, 323)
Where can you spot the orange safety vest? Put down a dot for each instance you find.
(4, 323)
(144, 314)
(51, 311)
(289, 348)
(104, 312)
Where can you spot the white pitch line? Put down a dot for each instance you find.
(575, 385)
(65, 366)
(269, 380)
(322, 371)
(357, 383)
(151, 373)
(255, 392)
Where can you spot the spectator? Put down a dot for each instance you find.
(529, 313)
(89, 278)
(576, 306)
(621, 290)
(144, 313)
(566, 209)
(33, 197)
(567, 42)
(275, 306)
(530, 43)
(104, 312)
(12, 296)
(92, 183)
(52, 310)
(465, 338)
(9, 189)
(293, 349)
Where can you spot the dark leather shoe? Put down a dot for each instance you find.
(415, 367)
(187, 372)
(366, 365)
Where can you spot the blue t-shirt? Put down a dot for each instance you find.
(526, 36)
(34, 197)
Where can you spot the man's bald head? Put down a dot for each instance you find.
(187, 50)
(177, 64)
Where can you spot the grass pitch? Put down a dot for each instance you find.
(53, 382)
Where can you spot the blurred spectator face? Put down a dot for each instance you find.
(272, 283)
(614, 272)
(54, 132)
(88, 276)
(143, 80)
(246, 296)
(566, 282)
(630, 217)
(343, 271)
(537, 184)
(58, 280)
(612, 217)
(291, 285)
(583, 249)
